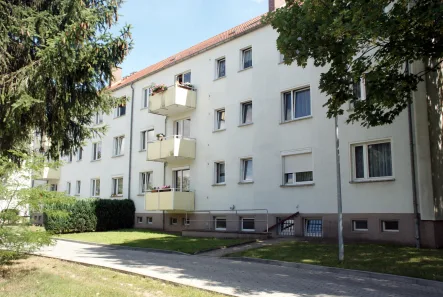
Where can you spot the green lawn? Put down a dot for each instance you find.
(152, 239)
(45, 277)
(406, 261)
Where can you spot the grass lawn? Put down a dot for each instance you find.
(406, 261)
(37, 276)
(152, 239)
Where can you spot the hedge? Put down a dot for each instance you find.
(89, 215)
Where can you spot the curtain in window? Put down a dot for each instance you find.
(359, 162)
(302, 103)
(220, 172)
(221, 119)
(247, 113)
(247, 59)
(221, 68)
(287, 106)
(97, 187)
(187, 128)
(247, 175)
(187, 77)
(303, 176)
(379, 159)
(120, 186)
(356, 88)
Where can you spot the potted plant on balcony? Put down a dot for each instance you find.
(165, 189)
(187, 85)
(160, 136)
(157, 89)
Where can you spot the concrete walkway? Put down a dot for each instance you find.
(234, 277)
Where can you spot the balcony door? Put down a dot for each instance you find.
(182, 128)
(182, 180)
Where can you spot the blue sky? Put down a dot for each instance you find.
(162, 28)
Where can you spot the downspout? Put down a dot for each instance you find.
(413, 169)
(164, 177)
(130, 141)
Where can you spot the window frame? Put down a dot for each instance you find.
(242, 58)
(183, 77)
(98, 118)
(139, 220)
(118, 110)
(217, 122)
(366, 176)
(116, 144)
(79, 154)
(141, 181)
(363, 94)
(78, 186)
(149, 220)
(96, 149)
(145, 98)
(115, 185)
(144, 142)
(217, 67)
(216, 171)
(243, 121)
(243, 168)
(216, 219)
(186, 221)
(171, 221)
(181, 127)
(294, 174)
(94, 187)
(310, 234)
(242, 225)
(53, 187)
(68, 188)
(354, 225)
(383, 226)
(293, 99)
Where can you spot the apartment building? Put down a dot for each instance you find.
(240, 143)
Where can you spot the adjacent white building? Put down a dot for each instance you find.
(247, 144)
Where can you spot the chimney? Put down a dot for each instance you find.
(116, 75)
(274, 4)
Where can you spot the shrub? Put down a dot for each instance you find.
(89, 215)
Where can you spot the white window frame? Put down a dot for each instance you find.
(362, 91)
(354, 225)
(383, 226)
(115, 185)
(94, 187)
(242, 58)
(79, 154)
(293, 97)
(186, 221)
(98, 118)
(216, 164)
(247, 230)
(221, 219)
(68, 188)
(118, 146)
(142, 176)
(281, 58)
(366, 160)
(53, 187)
(310, 234)
(243, 168)
(217, 67)
(144, 143)
(242, 111)
(216, 119)
(96, 148)
(183, 76)
(145, 98)
(118, 110)
(139, 220)
(78, 186)
(173, 221)
(295, 153)
(149, 220)
(69, 158)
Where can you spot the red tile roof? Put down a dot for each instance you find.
(230, 34)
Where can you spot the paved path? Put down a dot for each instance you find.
(235, 277)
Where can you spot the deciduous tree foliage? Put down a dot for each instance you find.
(56, 58)
(370, 39)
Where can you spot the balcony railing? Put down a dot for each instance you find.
(175, 100)
(50, 173)
(171, 148)
(169, 199)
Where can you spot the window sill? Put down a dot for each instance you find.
(218, 78)
(96, 160)
(219, 130)
(143, 108)
(77, 195)
(119, 116)
(142, 151)
(141, 194)
(244, 69)
(297, 119)
(219, 185)
(298, 185)
(116, 156)
(375, 180)
(391, 231)
(246, 182)
(79, 160)
(245, 124)
(98, 125)
(95, 196)
(118, 196)
(360, 231)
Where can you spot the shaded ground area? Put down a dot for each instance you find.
(406, 261)
(38, 276)
(152, 239)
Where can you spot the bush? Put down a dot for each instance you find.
(89, 215)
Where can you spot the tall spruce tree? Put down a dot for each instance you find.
(56, 59)
(370, 39)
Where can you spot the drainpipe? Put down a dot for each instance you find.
(164, 178)
(130, 141)
(413, 169)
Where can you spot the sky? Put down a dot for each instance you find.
(162, 28)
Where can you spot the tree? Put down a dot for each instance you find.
(363, 39)
(56, 59)
(18, 199)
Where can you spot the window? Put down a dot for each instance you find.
(390, 226)
(298, 169)
(98, 118)
(246, 170)
(220, 224)
(219, 172)
(246, 113)
(186, 221)
(145, 137)
(121, 110)
(248, 224)
(173, 221)
(69, 157)
(145, 181)
(117, 186)
(149, 220)
(246, 58)
(145, 101)
(281, 58)
(96, 151)
(313, 227)
(184, 78)
(68, 188)
(139, 220)
(53, 188)
(77, 187)
(95, 188)
(372, 160)
(79, 154)
(296, 104)
(182, 128)
(220, 119)
(119, 145)
(182, 180)
(359, 225)
(220, 68)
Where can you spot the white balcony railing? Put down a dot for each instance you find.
(175, 100)
(171, 148)
(169, 199)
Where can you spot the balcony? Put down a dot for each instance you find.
(171, 148)
(174, 100)
(169, 200)
(50, 173)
